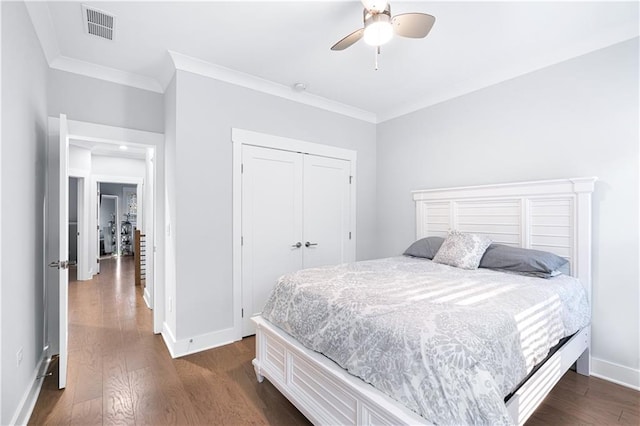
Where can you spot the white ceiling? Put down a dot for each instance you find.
(472, 45)
(108, 149)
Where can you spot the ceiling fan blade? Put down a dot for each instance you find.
(348, 40)
(412, 25)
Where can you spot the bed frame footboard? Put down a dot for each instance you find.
(327, 394)
(318, 387)
(525, 400)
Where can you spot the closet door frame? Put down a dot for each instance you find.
(240, 137)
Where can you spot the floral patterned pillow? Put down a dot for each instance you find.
(462, 250)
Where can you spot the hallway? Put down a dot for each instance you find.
(121, 373)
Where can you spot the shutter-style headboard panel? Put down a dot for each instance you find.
(553, 215)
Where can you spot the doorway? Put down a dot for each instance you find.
(108, 229)
(103, 142)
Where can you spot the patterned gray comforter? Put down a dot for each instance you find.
(447, 343)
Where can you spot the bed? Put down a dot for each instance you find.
(554, 216)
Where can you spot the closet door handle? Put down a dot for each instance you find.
(297, 245)
(308, 244)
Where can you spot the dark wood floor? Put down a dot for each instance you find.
(120, 373)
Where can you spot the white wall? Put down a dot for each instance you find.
(24, 135)
(114, 166)
(79, 159)
(206, 110)
(98, 101)
(577, 118)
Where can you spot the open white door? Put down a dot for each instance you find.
(63, 249)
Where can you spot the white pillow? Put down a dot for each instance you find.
(462, 250)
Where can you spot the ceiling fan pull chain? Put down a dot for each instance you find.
(376, 52)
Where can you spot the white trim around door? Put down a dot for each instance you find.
(92, 132)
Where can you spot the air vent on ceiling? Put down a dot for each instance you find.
(98, 23)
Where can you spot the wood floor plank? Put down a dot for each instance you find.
(547, 415)
(88, 384)
(116, 390)
(193, 380)
(178, 410)
(581, 408)
(121, 373)
(614, 394)
(148, 402)
(87, 413)
(629, 417)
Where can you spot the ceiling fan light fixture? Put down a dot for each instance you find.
(375, 5)
(378, 30)
(380, 27)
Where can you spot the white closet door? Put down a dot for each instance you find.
(326, 211)
(271, 224)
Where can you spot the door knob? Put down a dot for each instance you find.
(297, 245)
(308, 244)
(59, 264)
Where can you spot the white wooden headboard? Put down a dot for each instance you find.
(552, 215)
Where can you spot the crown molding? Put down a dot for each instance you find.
(113, 75)
(43, 26)
(206, 69)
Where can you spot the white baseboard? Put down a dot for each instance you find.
(615, 373)
(169, 339)
(178, 348)
(30, 397)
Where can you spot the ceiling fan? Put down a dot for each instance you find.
(379, 26)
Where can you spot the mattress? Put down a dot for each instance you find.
(447, 343)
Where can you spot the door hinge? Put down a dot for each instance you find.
(242, 312)
(350, 179)
(349, 234)
(242, 168)
(241, 241)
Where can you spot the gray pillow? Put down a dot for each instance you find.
(425, 247)
(462, 250)
(521, 260)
